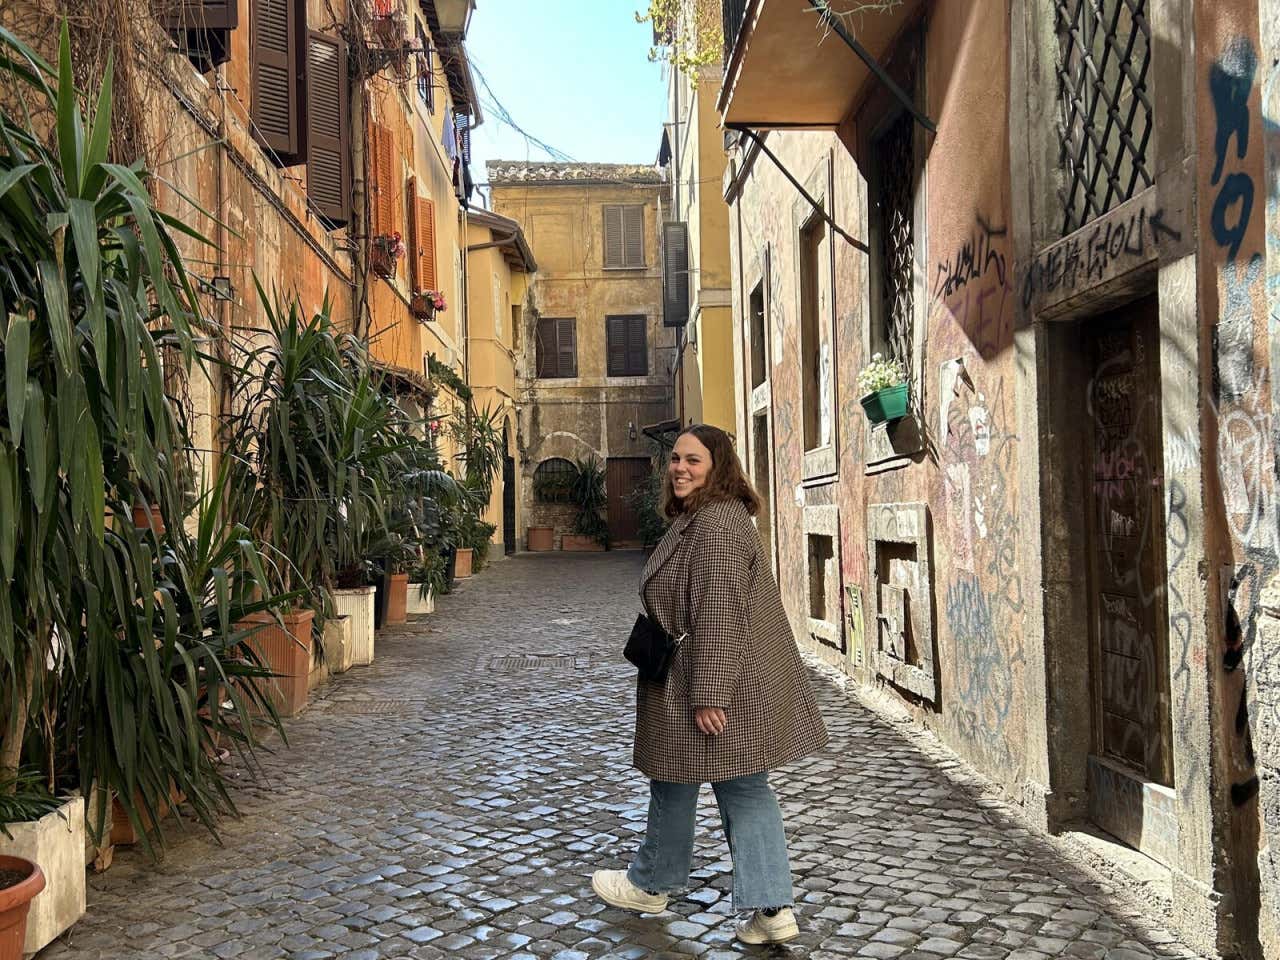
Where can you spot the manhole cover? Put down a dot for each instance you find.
(372, 707)
(522, 662)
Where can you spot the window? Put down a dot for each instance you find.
(552, 481)
(821, 560)
(202, 29)
(382, 165)
(426, 77)
(277, 48)
(328, 129)
(628, 346)
(557, 349)
(817, 420)
(759, 345)
(624, 237)
(422, 239)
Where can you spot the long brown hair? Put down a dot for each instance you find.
(725, 480)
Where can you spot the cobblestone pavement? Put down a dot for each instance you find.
(443, 803)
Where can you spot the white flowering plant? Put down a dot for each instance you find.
(880, 374)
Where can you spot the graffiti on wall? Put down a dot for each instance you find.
(973, 291)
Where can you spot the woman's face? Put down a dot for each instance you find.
(690, 465)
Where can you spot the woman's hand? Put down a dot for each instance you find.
(710, 720)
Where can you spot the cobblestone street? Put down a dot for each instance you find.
(452, 800)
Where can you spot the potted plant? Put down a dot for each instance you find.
(647, 500)
(587, 493)
(20, 882)
(385, 252)
(884, 387)
(112, 641)
(539, 539)
(425, 304)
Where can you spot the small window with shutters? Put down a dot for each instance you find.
(557, 349)
(277, 51)
(328, 130)
(382, 180)
(426, 77)
(624, 237)
(628, 345)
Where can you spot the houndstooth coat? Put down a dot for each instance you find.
(709, 580)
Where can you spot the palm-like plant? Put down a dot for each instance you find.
(107, 634)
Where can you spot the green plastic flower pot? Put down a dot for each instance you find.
(887, 404)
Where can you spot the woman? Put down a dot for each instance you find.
(734, 705)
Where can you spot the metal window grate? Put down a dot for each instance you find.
(896, 151)
(1105, 111)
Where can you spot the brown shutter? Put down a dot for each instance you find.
(426, 257)
(633, 236)
(276, 55)
(616, 335)
(675, 274)
(381, 180)
(567, 348)
(613, 247)
(328, 134)
(412, 241)
(637, 347)
(546, 347)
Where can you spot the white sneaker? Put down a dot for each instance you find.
(762, 929)
(613, 887)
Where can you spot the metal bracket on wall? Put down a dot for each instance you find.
(832, 19)
(759, 142)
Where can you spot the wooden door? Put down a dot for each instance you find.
(624, 477)
(1132, 724)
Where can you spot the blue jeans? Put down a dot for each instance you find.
(752, 824)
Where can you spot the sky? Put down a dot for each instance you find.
(574, 74)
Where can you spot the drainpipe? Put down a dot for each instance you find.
(360, 218)
(675, 185)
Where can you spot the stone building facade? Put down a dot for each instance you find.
(597, 360)
(1058, 559)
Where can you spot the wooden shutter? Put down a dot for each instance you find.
(422, 231)
(633, 236)
(546, 348)
(567, 348)
(328, 129)
(637, 347)
(613, 247)
(616, 336)
(382, 191)
(675, 274)
(462, 125)
(277, 81)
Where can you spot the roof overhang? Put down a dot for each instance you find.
(788, 69)
(508, 235)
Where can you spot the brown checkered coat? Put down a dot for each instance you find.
(709, 579)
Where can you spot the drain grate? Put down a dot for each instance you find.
(372, 708)
(516, 663)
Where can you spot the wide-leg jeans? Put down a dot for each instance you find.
(752, 824)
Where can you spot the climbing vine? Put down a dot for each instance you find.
(689, 32)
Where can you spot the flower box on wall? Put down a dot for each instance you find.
(889, 404)
(573, 542)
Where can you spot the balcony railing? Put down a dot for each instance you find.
(734, 13)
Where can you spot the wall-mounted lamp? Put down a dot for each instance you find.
(631, 430)
(219, 287)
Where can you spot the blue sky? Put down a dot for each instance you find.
(573, 73)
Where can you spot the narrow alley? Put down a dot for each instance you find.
(453, 798)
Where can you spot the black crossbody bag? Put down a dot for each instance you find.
(651, 649)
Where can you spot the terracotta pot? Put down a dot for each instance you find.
(381, 262)
(575, 543)
(149, 517)
(15, 901)
(287, 653)
(422, 307)
(462, 568)
(122, 832)
(397, 598)
(541, 538)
